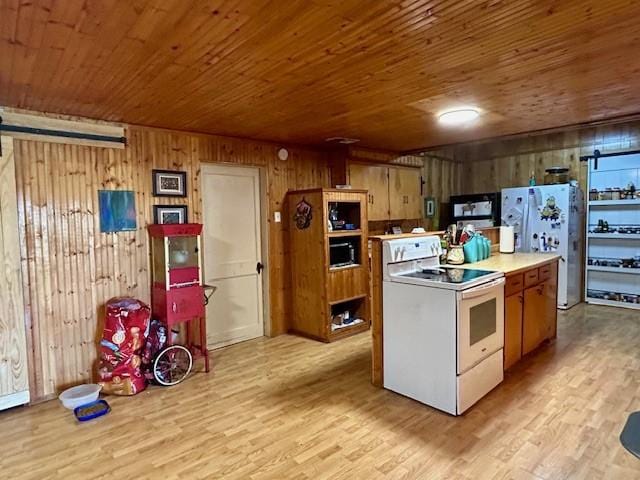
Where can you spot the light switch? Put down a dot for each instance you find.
(277, 217)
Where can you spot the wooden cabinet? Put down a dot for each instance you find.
(329, 269)
(534, 324)
(394, 193)
(404, 193)
(530, 310)
(374, 179)
(512, 329)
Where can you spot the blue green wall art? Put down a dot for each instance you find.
(117, 210)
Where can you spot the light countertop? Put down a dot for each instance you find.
(509, 263)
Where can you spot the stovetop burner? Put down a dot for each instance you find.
(445, 274)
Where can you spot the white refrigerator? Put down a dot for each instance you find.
(549, 219)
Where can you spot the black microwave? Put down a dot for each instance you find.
(482, 210)
(342, 254)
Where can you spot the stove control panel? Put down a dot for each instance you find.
(408, 249)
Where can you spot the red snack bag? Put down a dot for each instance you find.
(125, 329)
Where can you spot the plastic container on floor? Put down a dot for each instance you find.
(80, 395)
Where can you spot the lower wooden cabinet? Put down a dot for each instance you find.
(512, 329)
(530, 313)
(551, 305)
(534, 323)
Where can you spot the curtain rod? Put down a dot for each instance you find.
(597, 155)
(60, 133)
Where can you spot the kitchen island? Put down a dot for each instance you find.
(530, 299)
(531, 286)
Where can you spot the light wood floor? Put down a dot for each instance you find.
(292, 408)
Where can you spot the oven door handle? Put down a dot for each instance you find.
(482, 289)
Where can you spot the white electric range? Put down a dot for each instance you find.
(443, 327)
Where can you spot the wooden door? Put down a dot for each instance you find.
(404, 193)
(534, 324)
(232, 250)
(512, 329)
(14, 383)
(374, 179)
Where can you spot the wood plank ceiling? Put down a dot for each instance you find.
(304, 70)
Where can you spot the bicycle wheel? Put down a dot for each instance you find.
(172, 365)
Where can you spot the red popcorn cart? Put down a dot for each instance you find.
(178, 296)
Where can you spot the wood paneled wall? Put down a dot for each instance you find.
(442, 178)
(13, 346)
(493, 165)
(70, 269)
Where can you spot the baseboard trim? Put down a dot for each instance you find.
(14, 399)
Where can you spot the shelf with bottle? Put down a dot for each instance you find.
(343, 217)
(613, 298)
(608, 264)
(604, 228)
(614, 194)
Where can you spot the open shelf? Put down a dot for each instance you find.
(348, 212)
(344, 233)
(357, 312)
(596, 268)
(612, 303)
(617, 236)
(345, 267)
(350, 330)
(345, 252)
(605, 203)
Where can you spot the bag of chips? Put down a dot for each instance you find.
(123, 339)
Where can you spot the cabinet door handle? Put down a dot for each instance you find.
(372, 197)
(174, 307)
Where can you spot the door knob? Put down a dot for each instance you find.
(259, 268)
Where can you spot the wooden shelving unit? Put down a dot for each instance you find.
(611, 283)
(326, 282)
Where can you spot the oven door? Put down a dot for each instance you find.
(480, 323)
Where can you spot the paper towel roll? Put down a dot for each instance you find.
(507, 243)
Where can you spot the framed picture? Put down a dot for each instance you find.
(165, 214)
(169, 183)
(117, 210)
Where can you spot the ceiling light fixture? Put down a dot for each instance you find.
(342, 140)
(458, 117)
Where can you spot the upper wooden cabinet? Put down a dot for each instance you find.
(394, 192)
(374, 179)
(404, 193)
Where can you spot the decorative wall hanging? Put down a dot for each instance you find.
(117, 210)
(168, 214)
(303, 214)
(169, 183)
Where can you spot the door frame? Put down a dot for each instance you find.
(264, 231)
